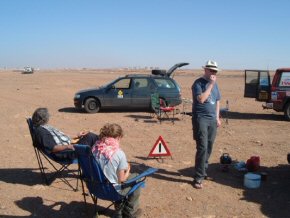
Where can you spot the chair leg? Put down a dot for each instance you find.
(41, 167)
(84, 194)
(95, 200)
(68, 183)
(159, 115)
(56, 174)
(78, 176)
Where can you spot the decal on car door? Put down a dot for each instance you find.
(274, 96)
(120, 94)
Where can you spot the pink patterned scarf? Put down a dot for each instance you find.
(107, 147)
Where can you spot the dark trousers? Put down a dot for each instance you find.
(204, 131)
(129, 208)
(88, 139)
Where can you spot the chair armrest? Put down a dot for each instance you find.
(68, 158)
(140, 177)
(65, 151)
(136, 186)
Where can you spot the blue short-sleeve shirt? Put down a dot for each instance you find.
(208, 108)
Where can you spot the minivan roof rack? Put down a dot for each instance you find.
(136, 75)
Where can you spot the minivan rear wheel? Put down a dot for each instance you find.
(287, 111)
(92, 105)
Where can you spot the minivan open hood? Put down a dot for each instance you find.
(173, 68)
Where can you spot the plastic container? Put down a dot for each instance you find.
(253, 164)
(240, 166)
(252, 180)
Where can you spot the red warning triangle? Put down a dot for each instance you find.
(159, 149)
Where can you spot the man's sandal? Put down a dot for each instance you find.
(197, 185)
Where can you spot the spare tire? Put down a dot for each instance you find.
(159, 72)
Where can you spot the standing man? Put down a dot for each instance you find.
(205, 118)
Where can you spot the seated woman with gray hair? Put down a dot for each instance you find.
(54, 141)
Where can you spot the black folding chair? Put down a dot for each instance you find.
(60, 166)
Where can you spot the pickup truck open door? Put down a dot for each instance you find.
(257, 85)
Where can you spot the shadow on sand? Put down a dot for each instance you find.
(75, 110)
(70, 110)
(232, 115)
(151, 119)
(273, 195)
(32, 176)
(23, 176)
(254, 116)
(137, 117)
(37, 208)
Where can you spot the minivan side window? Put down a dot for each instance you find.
(285, 79)
(164, 83)
(140, 83)
(122, 84)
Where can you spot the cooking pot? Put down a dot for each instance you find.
(225, 159)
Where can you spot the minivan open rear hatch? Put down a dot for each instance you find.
(173, 68)
(169, 72)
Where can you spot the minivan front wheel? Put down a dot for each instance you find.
(92, 105)
(287, 111)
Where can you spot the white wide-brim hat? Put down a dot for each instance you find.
(212, 65)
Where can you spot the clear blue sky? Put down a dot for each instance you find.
(238, 34)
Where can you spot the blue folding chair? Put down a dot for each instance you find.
(51, 159)
(98, 185)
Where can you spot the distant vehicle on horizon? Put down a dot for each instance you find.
(28, 70)
(131, 92)
(276, 95)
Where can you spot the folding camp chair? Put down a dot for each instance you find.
(98, 185)
(160, 108)
(61, 165)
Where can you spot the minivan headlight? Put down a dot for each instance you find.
(77, 95)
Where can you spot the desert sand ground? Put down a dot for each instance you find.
(168, 193)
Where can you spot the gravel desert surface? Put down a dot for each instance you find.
(250, 131)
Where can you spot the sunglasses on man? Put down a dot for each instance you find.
(213, 71)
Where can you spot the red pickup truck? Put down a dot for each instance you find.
(276, 95)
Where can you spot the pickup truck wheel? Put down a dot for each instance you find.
(287, 111)
(92, 105)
